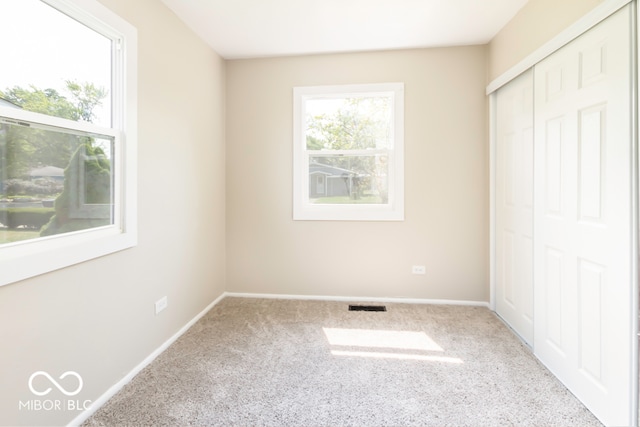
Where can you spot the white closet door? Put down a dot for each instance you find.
(514, 205)
(582, 218)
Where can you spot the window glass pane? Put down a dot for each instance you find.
(53, 181)
(355, 123)
(54, 65)
(349, 179)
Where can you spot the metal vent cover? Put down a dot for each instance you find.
(367, 308)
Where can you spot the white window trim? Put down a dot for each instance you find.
(22, 260)
(302, 209)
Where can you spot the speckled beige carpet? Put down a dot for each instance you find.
(259, 362)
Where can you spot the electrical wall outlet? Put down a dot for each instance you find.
(161, 304)
(418, 269)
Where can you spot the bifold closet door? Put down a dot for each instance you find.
(582, 217)
(514, 205)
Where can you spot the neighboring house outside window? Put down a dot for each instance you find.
(9, 104)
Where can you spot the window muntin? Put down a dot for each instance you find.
(105, 219)
(348, 152)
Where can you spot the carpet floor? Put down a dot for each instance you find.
(262, 362)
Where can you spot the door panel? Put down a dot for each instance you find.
(514, 205)
(592, 128)
(582, 218)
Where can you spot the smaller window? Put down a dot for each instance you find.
(348, 152)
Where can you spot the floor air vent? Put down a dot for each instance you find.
(367, 308)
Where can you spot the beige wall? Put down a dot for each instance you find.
(536, 23)
(446, 184)
(97, 318)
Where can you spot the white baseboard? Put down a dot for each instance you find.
(360, 299)
(118, 386)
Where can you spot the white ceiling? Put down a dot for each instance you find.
(260, 28)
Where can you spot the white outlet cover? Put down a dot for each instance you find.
(161, 304)
(418, 269)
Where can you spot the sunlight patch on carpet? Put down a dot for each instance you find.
(399, 356)
(405, 340)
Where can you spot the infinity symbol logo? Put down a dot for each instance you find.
(55, 383)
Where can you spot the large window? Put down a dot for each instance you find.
(348, 152)
(67, 135)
